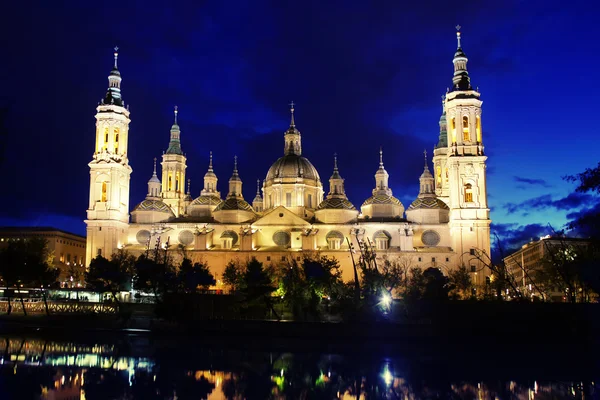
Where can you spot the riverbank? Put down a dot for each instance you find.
(502, 326)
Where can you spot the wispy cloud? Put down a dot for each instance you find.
(571, 202)
(531, 181)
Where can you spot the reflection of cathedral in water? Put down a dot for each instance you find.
(61, 371)
(447, 225)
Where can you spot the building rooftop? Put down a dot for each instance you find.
(16, 230)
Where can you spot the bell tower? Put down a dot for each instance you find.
(466, 164)
(173, 172)
(108, 208)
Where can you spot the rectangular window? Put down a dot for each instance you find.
(282, 258)
(68, 258)
(268, 258)
(75, 259)
(99, 252)
(297, 258)
(419, 259)
(432, 259)
(309, 201)
(288, 199)
(447, 259)
(473, 268)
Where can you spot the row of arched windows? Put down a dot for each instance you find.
(466, 129)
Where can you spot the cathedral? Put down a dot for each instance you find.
(446, 226)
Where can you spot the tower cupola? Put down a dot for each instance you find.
(154, 184)
(113, 93)
(175, 142)
(460, 80)
(293, 138)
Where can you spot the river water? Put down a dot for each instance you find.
(138, 367)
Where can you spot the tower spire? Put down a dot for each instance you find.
(258, 187)
(116, 54)
(189, 186)
(292, 138)
(154, 172)
(175, 141)
(460, 80)
(292, 123)
(425, 155)
(380, 156)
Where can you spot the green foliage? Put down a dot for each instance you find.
(430, 285)
(28, 263)
(461, 284)
(112, 275)
(233, 276)
(308, 286)
(192, 276)
(154, 276)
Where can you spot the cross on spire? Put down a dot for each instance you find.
(175, 111)
(381, 156)
(292, 124)
(335, 167)
(458, 34)
(116, 55)
(235, 164)
(154, 166)
(258, 187)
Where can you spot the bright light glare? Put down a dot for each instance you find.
(387, 376)
(386, 299)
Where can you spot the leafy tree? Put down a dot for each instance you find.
(27, 263)
(112, 275)
(191, 276)
(587, 222)
(430, 284)
(258, 286)
(154, 276)
(306, 286)
(461, 284)
(233, 276)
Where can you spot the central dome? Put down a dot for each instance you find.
(292, 166)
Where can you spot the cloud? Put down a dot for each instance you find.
(570, 202)
(531, 181)
(506, 238)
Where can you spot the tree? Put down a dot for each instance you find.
(154, 276)
(461, 284)
(191, 276)
(27, 263)
(112, 275)
(430, 284)
(306, 286)
(258, 286)
(233, 276)
(588, 221)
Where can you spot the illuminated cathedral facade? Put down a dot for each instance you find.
(293, 213)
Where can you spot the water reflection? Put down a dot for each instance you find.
(141, 369)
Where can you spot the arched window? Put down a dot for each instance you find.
(453, 130)
(103, 198)
(105, 145)
(466, 136)
(116, 131)
(478, 128)
(177, 183)
(468, 193)
(169, 183)
(438, 175)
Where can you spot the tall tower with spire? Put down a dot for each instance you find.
(173, 172)
(466, 166)
(108, 207)
(440, 158)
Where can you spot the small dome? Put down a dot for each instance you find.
(292, 166)
(206, 201)
(336, 204)
(234, 203)
(382, 199)
(153, 205)
(460, 53)
(428, 203)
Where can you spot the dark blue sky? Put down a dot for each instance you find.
(362, 76)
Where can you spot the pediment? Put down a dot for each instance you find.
(280, 216)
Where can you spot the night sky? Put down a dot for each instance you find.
(361, 76)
